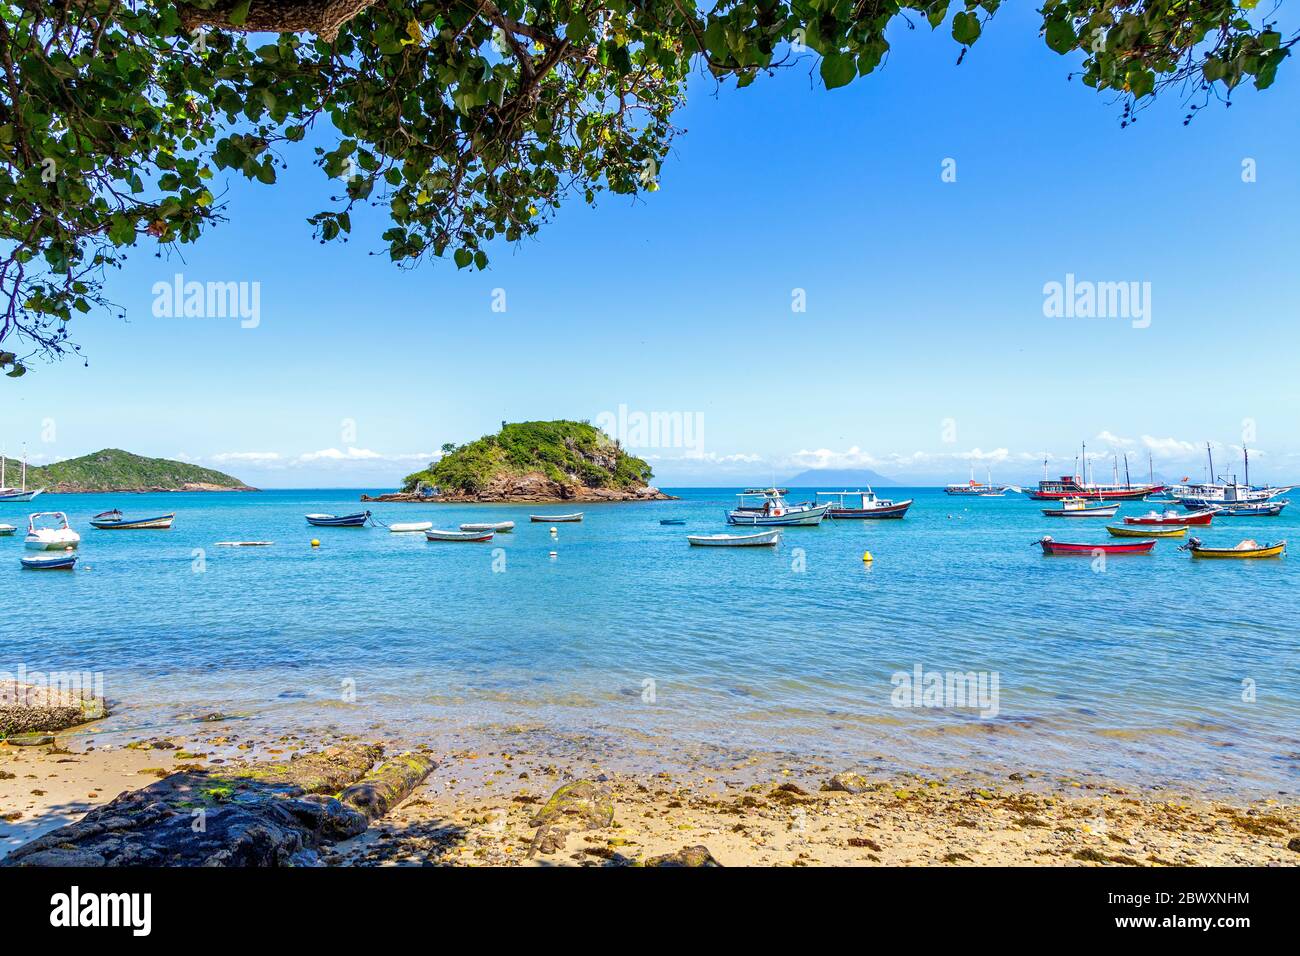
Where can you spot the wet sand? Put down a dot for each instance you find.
(477, 806)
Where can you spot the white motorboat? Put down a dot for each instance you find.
(500, 527)
(436, 535)
(767, 506)
(6, 529)
(51, 534)
(762, 539)
(410, 526)
(8, 494)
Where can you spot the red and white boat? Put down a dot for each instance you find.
(1087, 550)
(1173, 517)
(1081, 485)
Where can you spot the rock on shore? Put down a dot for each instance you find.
(29, 709)
(534, 487)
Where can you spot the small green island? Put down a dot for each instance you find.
(115, 470)
(533, 461)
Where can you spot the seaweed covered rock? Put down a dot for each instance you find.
(32, 709)
(848, 782)
(581, 805)
(260, 814)
(698, 855)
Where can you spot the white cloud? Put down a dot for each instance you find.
(1168, 447)
(259, 457)
(334, 454)
(1110, 438)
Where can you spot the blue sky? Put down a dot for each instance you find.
(924, 343)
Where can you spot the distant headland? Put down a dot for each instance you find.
(533, 461)
(115, 470)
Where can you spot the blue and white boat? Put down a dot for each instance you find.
(50, 562)
(767, 506)
(357, 520)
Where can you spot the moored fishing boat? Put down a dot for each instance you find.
(55, 535)
(576, 516)
(1247, 548)
(1128, 531)
(6, 530)
(1080, 508)
(767, 506)
(1062, 547)
(410, 527)
(114, 520)
(1082, 485)
(868, 505)
(1171, 517)
(672, 521)
(500, 527)
(761, 539)
(357, 520)
(50, 561)
(437, 535)
(11, 495)
(1252, 509)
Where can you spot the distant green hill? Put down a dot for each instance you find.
(560, 459)
(115, 470)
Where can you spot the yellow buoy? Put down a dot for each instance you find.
(866, 557)
(315, 542)
(554, 530)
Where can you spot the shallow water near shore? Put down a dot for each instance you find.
(1155, 670)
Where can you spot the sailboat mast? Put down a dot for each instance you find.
(1128, 482)
(1245, 457)
(1210, 455)
(24, 467)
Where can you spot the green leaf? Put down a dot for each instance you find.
(1061, 37)
(838, 69)
(463, 258)
(965, 28)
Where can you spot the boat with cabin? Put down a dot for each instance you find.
(1171, 517)
(50, 531)
(1220, 492)
(863, 504)
(11, 495)
(1253, 509)
(978, 489)
(767, 506)
(1082, 485)
(1082, 508)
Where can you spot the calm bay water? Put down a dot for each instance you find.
(1135, 673)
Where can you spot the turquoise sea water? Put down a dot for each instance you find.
(1156, 669)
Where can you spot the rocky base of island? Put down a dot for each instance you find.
(532, 488)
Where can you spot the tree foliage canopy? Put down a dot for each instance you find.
(468, 120)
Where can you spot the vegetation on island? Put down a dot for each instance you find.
(115, 470)
(467, 121)
(567, 453)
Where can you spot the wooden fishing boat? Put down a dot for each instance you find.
(1086, 550)
(1252, 509)
(1082, 508)
(1171, 517)
(1248, 548)
(409, 527)
(500, 527)
(114, 520)
(1126, 531)
(555, 519)
(43, 537)
(436, 535)
(244, 544)
(762, 539)
(767, 506)
(863, 504)
(357, 520)
(64, 561)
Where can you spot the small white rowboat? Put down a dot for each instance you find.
(500, 527)
(410, 526)
(459, 535)
(557, 518)
(762, 539)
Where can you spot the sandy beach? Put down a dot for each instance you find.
(478, 806)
